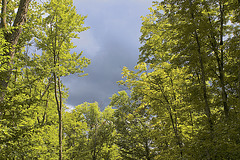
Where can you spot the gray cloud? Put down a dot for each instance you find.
(111, 43)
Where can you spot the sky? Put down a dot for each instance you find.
(111, 43)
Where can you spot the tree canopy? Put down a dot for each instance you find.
(182, 99)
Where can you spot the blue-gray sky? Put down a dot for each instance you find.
(111, 43)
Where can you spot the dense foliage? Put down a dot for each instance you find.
(184, 99)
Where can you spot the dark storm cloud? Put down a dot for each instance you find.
(111, 43)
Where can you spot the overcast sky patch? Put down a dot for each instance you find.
(111, 43)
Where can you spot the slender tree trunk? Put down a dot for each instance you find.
(60, 118)
(203, 75)
(60, 134)
(203, 81)
(95, 143)
(221, 71)
(59, 109)
(147, 149)
(174, 124)
(219, 57)
(57, 88)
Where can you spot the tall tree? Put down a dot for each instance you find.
(188, 48)
(58, 28)
(12, 31)
(33, 83)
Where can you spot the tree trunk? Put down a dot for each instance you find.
(60, 118)
(203, 75)
(95, 143)
(221, 71)
(147, 149)
(174, 124)
(57, 90)
(203, 81)
(11, 38)
(219, 57)
(3, 18)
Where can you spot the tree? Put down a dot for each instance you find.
(186, 79)
(56, 32)
(90, 135)
(133, 127)
(75, 130)
(11, 31)
(28, 120)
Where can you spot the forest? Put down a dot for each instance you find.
(182, 99)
